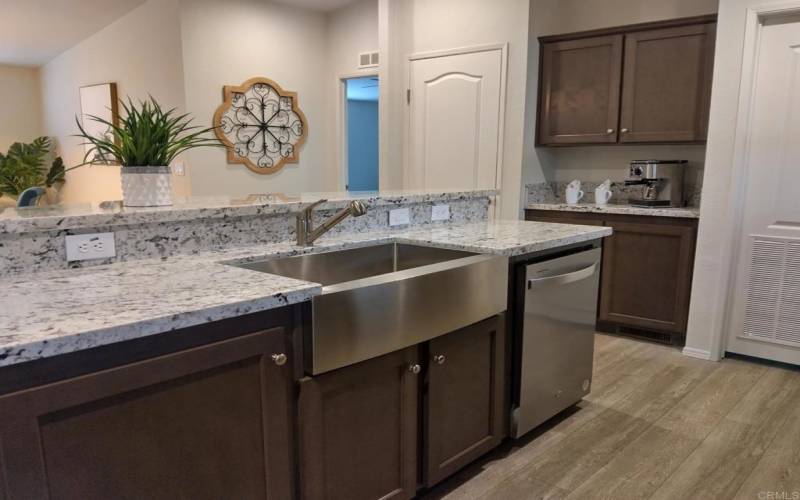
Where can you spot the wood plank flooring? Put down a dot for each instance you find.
(657, 425)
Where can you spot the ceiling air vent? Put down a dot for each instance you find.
(367, 60)
(772, 306)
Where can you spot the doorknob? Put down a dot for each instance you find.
(624, 131)
(439, 359)
(414, 368)
(610, 131)
(279, 359)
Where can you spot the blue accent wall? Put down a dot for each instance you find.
(362, 145)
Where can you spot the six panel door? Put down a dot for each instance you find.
(464, 405)
(666, 88)
(358, 430)
(580, 90)
(209, 422)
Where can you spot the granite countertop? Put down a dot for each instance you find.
(685, 212)
(74, 216)
(46, 314)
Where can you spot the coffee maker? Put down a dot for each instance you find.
(661, 183)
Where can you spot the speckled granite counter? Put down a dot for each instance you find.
(686, 212)
(51, 313)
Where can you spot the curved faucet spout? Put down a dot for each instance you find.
(307, 234)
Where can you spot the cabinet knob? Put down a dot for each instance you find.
(439, 359)
(624, 131)
(279, 359)
(414, 368)
(610, 131)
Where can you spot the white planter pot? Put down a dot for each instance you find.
(146, 186)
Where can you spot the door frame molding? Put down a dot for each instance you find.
(471, 49)
(341, 123)
(722, 317)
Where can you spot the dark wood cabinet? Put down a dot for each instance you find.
(666, 88)
(647, 270)
(647, 83)
(464, 402)
(213, 421)
(358, 430)
(647, 275)
(580, 87)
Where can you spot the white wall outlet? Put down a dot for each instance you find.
(440, 212)
(399, 217)
(90, 246)
(179, 168)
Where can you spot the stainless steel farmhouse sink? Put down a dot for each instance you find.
(381, 298)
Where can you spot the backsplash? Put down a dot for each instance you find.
(43, 250)
(553, 192)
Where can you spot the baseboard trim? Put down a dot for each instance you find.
(693, 352)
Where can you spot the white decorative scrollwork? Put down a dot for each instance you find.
(261, 124)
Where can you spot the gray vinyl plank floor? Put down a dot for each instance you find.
(657, 425)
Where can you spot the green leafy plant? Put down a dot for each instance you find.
(25, 166)
(146, 136)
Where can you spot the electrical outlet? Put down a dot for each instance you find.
(440, 212)
(399, 217)
(90, 246)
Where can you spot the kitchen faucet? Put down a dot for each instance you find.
(306, 234)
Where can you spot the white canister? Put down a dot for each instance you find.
(573, 193)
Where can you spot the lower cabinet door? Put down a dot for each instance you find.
(358, 430)
(647, 275)
(209, 422)
(465, 398)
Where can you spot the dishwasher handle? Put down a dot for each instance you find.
(563, 279)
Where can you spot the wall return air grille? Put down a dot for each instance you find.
(772, 307)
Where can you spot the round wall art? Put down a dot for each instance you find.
(261, 124)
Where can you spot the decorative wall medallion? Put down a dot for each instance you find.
(261, 124)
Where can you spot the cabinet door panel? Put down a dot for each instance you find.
(583, 219)
(209, 422)
(358, 430)
(465, 397)
(579, 96)
(646, 276)
(667, 84)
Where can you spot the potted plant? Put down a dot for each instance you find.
(25, 167)
(144, 143)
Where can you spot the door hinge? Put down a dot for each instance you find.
(408, 96)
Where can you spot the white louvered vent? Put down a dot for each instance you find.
(367, 60)
(772, 308)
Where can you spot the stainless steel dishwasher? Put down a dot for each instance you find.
(557, 342)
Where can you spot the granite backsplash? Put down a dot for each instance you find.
(553, 192)
(44, 250)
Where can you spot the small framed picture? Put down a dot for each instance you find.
(101, 101)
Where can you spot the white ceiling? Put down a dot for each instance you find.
(320, 5)
(34, 31)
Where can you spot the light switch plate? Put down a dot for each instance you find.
(90, 246)
(440, 212)
(399, 217)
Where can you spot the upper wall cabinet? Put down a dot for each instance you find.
(638, 84)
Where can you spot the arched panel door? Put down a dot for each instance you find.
(455, 121)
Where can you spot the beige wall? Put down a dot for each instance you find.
(428, 25)
(20, 105)
(550, 17)
(351, 30)
(712, 270)
(141, 53)
(226, 43)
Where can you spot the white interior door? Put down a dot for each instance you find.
(455, 121)
(765, 319)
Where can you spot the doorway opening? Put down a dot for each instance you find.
(361, 133)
